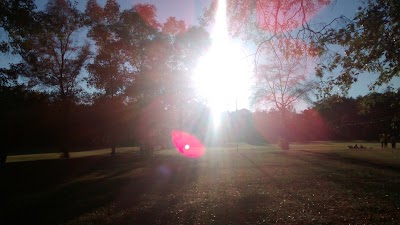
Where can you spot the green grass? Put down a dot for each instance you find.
(314, 183)
(73, 154)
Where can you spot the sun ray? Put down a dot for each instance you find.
(223, 74)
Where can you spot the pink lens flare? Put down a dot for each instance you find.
(187, 144)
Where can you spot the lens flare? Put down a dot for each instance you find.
(187, 144)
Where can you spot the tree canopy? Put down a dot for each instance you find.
(368, 43)
(118, 61)
(52, 56)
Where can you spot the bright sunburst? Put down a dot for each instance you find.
(223, 74)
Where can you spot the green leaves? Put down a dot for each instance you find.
(52, 57)
(370, 43)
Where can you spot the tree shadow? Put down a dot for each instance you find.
(369, 188)
(57, 191)
(351, 160)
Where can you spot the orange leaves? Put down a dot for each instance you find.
(276, 16)
(174, 27)
(148, 14)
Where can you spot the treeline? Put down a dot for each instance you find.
(344, 118)
(334, 118)
(364, 117)
(31, 122)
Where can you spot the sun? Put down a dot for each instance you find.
(223, 75)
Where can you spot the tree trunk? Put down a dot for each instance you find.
(112, 119)
(3, 156)
(112, 144)
(149, 149)
(146, 150)
(112, 134)
(284, 142)
(65, 129)
(142, 150)
(5, 139)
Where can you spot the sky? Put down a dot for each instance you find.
(191, 10)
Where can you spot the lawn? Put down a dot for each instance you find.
(314, 183)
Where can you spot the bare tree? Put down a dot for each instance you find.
(281, 80)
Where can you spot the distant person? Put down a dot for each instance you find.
(385, 139)
(393, 141)
(382, 140)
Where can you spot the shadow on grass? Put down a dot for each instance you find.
(223, 187)
(370, 189)
(354, 161)
(372, 177)
(56, 191)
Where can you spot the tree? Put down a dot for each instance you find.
(384, 107)
(185, 46)
(263, 20)
(108, 73)
(52, 56)
(281, 80)
(165, 82)
(142, 63)
(139, 31)
(121, 70)
(13, 17)
(369, 43)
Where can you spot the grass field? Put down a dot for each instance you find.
(314, 183)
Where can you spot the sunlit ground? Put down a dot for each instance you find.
(223, 75)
